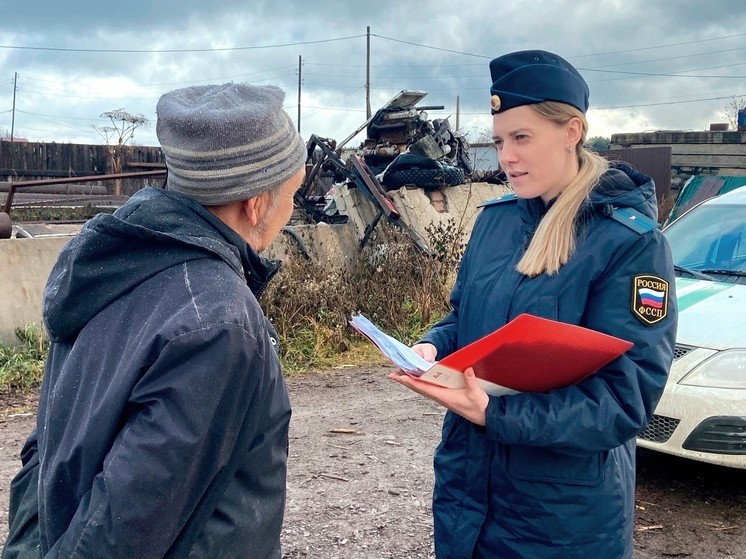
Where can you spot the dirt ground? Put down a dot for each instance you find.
(360, 478)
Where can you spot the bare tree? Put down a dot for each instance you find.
(730, 111)
(121, 131)
(478, 135)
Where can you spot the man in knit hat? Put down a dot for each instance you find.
(163, 416)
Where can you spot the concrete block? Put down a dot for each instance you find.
(26, 264)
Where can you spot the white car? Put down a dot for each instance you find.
(702, 414)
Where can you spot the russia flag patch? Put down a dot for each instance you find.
(649, 298)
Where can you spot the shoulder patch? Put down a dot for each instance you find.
(506, 198)
(638, 222)
(649, 299)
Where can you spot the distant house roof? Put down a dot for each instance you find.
(15, 139)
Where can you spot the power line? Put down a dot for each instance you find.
(659, 46)
(328, 107)
(69, 92)
(669, 102)
(671, 58)
(56, 123)
(320, 41)
(215, 79)
(346, 109)
(64, 117)
(78, 96)
(51, 92)
(157, 51)
(571, 57)
(432, 47)
(357, 77)
(480, 64)
(336, 86)
(486, 112)
(661, 74)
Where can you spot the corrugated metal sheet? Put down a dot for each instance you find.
(653, 161)
(701, 187)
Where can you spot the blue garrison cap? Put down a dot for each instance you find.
(532, 76)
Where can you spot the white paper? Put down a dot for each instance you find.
(401, 355)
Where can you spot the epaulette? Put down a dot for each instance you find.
(500, 200)
(638, 222)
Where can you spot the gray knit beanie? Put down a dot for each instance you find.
(225, 143)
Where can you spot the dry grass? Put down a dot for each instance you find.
(393, 283)
(22, 366)
(401, 289)
(665, 205)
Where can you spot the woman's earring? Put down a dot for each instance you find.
(569, 149)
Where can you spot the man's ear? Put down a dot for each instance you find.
(250, 209)
(256, 208)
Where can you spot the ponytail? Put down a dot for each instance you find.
(554, 240)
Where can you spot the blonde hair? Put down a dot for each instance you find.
(554, 240)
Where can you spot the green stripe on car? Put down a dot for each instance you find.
(690, 292)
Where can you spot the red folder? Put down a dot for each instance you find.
(529, 354)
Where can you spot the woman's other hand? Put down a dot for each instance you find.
(469, 402)
(427, 351)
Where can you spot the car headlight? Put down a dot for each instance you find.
(725, 369)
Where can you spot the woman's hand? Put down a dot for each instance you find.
(469, 402)
(427, 351)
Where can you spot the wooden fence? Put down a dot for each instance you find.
(36, 160)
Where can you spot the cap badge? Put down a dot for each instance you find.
(495, 102)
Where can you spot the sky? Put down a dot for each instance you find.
(650, 64)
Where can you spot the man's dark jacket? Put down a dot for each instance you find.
(163, 414)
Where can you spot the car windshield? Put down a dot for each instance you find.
(710, 240)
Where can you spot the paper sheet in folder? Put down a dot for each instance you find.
(527, 354)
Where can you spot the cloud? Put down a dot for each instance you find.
(633, 53)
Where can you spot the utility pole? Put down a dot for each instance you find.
(13, 113)
(458, 111)
(367, 79)
(300, 65)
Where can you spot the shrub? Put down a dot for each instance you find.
(22, 367)
(398, 286)
(665, 205)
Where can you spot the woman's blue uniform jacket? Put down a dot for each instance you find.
(553, 474)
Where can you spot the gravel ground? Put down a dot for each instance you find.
(360, 478)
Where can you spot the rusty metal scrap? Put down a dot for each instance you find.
(66, 180)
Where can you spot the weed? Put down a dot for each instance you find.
(665, 205)
(400, 288)
(21, 367)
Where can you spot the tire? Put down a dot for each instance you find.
(447, 175)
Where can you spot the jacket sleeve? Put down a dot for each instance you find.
(614, 404)
(23, 513)
(188, 409)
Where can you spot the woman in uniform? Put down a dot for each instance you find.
(551, 475)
